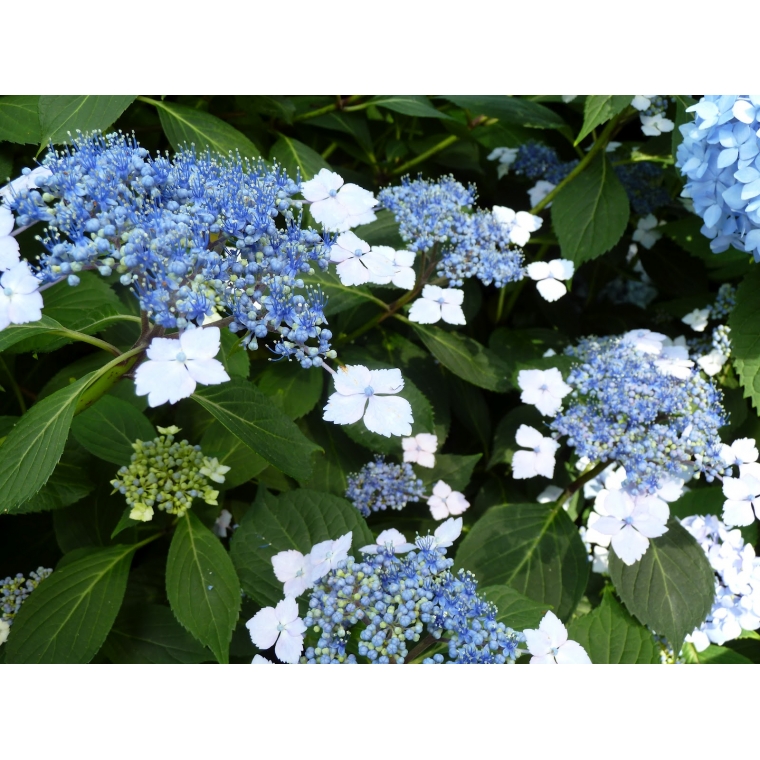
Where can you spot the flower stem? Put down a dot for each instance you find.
(582, 480)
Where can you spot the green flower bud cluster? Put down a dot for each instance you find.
(168, 475)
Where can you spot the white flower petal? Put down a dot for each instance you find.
(425, 312)
(389, 415)
(343, 410)
(551, 290)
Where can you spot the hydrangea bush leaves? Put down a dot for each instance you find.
(390, 379)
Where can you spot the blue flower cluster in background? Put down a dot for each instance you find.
(381, 485)
(14, 591)
(642, 180)
(720, 156)
(397, 599)
(624, 408)
(472, 242)
(190, 235)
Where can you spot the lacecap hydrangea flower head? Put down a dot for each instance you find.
(628, 406)
(168, 475)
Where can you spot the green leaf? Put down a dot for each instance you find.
(14, 334)
(244, 464)
(67, 618)
(348, 123)
(409, 105)
(534, 548)
(671, 588)
(341, 457)
(294, 520)
(61, 114)
(465, 357)
(248, 414)
(293, 390)
(32, 449)
(510, 110)
(233, 355)
(186, 126)
(67, 485)
(203, 589)
(296, 157)
(600, 108)
(109, 428)
(515, 610)
(713, 655)
(699, 501)
(150, 634)
(19, 120)
(744, 322)
(383, 231)
(453, 469)
(610, 635)
(340, 297)
(591, 213)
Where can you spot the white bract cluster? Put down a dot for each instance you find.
(549, 275)
(539, 460)
(366, 394)
(281, 626)
(549, 644)
(646, 231)
(742, 505)
(336, 205)
(543, 388)
(627, 521)
(9, 250)
(672, 356)
(420, 449)
(389, 539)
(655, 122)
(519, 224)
(697, 319)
(20, 300)
(737, 582)
(175, 367)
(357, 263)
(402, 263)
(436, 304)
(445, 502)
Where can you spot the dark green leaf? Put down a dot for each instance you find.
(590, 214)
(453, 469)
(14, 334)
(510, 110)
(296, 157)
(465, 357)
(233, 355)
(150, 634)
(348, 123)
(292, 389)
(32, 449)
(61, 114)
(109, 428)
(671, 588)
(67, 485)
(410, 105)
(699, 501)
(244, 464)
(67, 618)
(203, 589)
(600, 108)
(294, 520)
(186, 126)
(341, 457)
(19, 120)
(534, 548)
(515, 610)
(744, 322)
(248, 414)
(611, 636)
(383, 231)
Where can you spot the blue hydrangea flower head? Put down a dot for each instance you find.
(624, 408)
(191, 235)
(381, 608)
(14, 591)
(382, 485)
(720, 157)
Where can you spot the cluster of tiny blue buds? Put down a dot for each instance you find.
(721, 342)
(472, 243)
(377, 610)
(13, 592)
(381, 485)
(191, 235)
(624, 409)
(720, 156)
(724, 302)
(536, 161)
